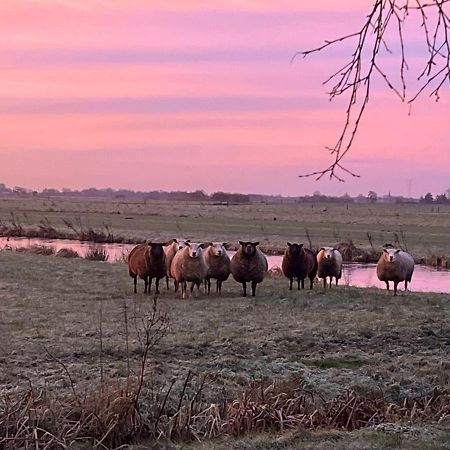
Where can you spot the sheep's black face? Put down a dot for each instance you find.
(249, 248)
(295, 249)
(156, 250)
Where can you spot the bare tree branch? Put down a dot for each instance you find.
(354, 79)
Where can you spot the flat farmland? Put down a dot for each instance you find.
(423, 229)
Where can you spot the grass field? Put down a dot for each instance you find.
(423, 228)
(59, 314)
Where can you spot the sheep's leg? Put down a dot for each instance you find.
(324, 282)
(192, 288)
(183, 289)
(145, 285)
(219, 287)
(175, 285)
(135, 284)
(331, 282)
(150, 284)
(337, 281)
(311, 282)
(298, 284)
(406, 285)
(290, 283)
(167, 282)
(303, 283)
(209, 284)
(387, 285)
(395, 287)
(254, 283)
(157, 286)
(244, 286)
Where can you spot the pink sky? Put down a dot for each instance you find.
(199, 95)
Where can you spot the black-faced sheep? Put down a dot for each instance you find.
(188, 265)
(329, 261)
(395, 265)
(147, 261)
(249, 264)
(170, 249)
(299, 262)
(218, 262)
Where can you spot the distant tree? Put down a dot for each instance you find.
(442, 199)
(372, 197)
(4, 189)
(448, 193)
(428, 198)
(19, 190)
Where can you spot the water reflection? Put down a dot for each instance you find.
(425, 279)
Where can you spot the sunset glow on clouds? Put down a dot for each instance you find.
(186, 95)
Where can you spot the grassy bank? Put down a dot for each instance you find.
(75, 316)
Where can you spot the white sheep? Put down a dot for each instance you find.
(189, 265)
(395, 265)
(170, 249)
(329, 264)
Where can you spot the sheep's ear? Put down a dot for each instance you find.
(203, 245)
(241, 242)
(322, 248)
(225, 245)
(187, 243)
(210, 243)
(256, 243)
(301, 245)
(385, 250)
(397, 251)
(289, 244)
(150, 243)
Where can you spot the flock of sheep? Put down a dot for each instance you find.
(198, 263)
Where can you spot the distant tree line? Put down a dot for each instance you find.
(221, 197)
(441, 199)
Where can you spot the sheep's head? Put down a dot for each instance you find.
(217, 248)
(390, 254)
(156, 248)
(295, 249)
(183, 243)
(249, 248)
(195, 250)
(327, 252)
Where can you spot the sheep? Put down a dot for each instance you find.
(170, 249)
(147, 261)
(249, 264)
(329, 264)
(217, 258)
(395, 265)
(188, 265)
(299, 262)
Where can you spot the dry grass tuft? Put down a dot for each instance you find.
(67, 253)
(96, 253)
(37, 250)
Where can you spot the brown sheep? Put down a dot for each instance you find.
(218, 261)
(395, 265)
(329, 262)
(249, 264)
(299, 262)
(170, 249)
(188, 265)
(147, 261)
